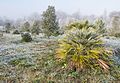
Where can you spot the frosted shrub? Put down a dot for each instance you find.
(16, 32)
(1, 34)
(26, 37)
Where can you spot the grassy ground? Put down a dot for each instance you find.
(34, 62)
(17, 56)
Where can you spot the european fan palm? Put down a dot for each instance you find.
(79, 25)
(98, 26)
(83, 48)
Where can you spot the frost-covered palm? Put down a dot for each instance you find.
(98, 26)
(82, 48)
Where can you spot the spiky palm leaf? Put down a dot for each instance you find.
(98, 26)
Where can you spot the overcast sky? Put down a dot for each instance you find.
(19, 8)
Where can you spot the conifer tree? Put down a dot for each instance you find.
(49, 22)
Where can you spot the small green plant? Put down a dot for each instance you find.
(16, 32)
(22, 62)
(26, 37)
(1, 34)
(117, 34)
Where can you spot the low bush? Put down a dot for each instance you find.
(16, 32)
(26, 37)
(1, 34)
(117, 35)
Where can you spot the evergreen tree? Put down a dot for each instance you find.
(7, 27)
(26, 27)
(35, 29)
(100, 27)
(49, 22)
(115, 26)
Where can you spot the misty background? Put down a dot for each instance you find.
(16, 11)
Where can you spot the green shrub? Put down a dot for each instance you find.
(16, 32)
(1, 34)
(26, 37)
(117, 35)
(7, 31)
(7, 27)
